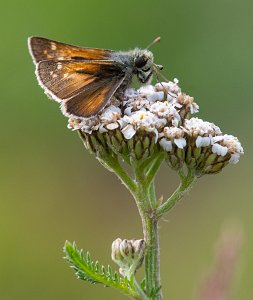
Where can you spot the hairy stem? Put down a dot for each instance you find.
(142, 187)
(152, 259)
(146, 203)
(140, 291)
(185, 185)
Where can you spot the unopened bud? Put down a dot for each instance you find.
(128, 255)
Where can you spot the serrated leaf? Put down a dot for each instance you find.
(94, 272)
(109, 271)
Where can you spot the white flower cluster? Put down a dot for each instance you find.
(151, 108)
(207, 134)
(164, 111)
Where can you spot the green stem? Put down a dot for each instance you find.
(152, 259)
(185, 185)
(110, 161)
(152, 194)
(142, 187)
(125, 178)
(140, 291)
(114, 165)
(154, 168)
(146, 203)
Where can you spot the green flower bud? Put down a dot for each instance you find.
(128, 255)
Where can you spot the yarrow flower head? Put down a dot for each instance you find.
(158, 118)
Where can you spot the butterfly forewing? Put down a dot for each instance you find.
(82, 79)
(45, 49)
(88, 84)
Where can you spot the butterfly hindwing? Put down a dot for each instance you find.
(93, 98)
(45, 49)
(83, 87)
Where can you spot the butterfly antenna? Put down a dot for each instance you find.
(157, 40)
(157, 69)
(157, 73)
(157, 77)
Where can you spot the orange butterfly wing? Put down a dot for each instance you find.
(45, 49)
(83, 87)
(93, 98)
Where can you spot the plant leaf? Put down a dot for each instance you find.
(94, 272)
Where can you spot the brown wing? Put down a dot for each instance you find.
(84, 88)
(93, 98)
(45, 49)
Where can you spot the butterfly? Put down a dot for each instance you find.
(84, 80)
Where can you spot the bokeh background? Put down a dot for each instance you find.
(52, 189)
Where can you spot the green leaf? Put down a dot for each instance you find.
(94, 272)
(143, 284)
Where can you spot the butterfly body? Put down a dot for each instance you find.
(83, 80)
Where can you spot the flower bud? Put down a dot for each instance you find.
(128, 255)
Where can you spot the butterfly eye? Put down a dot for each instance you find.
(140, 62)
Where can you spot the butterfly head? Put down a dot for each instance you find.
(143, 65)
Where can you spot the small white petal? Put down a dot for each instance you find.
(87, 130)
(173, 95)
(177, 105)
(156, 135)
(181, 143)
(128, 111)
(165, 144)
(146, 89)
(175, 122)
(155, 96)
(112, 126)
(95, 127)
(217, 138)
(102, 129)
(234, 158)
(220, 150)
(170, 98)
(159, 86)
(203, 141)
(128, 132)
(194, 108)
(122, 123)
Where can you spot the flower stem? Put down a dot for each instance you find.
(185, 185)
(152, 259)
(146, 203)
(155, 167)
(140, 291)
(121, 173)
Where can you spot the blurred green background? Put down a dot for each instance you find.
(52, 189)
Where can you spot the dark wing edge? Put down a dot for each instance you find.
(79, 75)
(88, 89)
